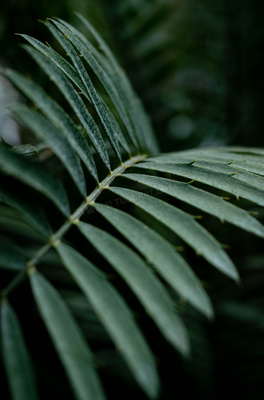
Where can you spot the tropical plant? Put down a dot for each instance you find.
(93, 194)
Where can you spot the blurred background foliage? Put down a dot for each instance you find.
(198, 67)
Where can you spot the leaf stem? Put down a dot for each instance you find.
(57, 236)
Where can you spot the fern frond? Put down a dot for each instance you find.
(184, 225)
(162, 255)
(144, 284)
(101, 115)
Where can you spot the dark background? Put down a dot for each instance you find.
(198, 67)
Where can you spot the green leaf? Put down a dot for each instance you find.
(255, 168)
(184, 226)
(33, 175)
(108, 120)
(15, 223)
(67, 339)
(203, 200)
(218, 179)
(11, 257)
(236, 173)
(223, 167)
(16, 359)
(58, 60)
(243, 150)
(115, 316)
(75, 101)
(142, 126)
(238, 161)
(104, 72)
(55, 139)
(57, 116)
(162, 255)
(143, 282)
(102, 110)
(227, 153)
(25, 149)
(32, 212)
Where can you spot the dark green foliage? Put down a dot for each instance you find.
(111, 274)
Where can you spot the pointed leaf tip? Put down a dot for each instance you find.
(115, 316)
(68, 340)
(16, 358)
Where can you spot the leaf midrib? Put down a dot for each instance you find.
(73, 218)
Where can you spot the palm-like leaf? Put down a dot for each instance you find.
(112, 115)
(16, 358)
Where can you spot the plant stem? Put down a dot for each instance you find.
(57, 236)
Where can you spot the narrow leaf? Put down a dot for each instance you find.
(16, 358)
(67, 339)
(102, 110)
(105, 73)
(24, 149)
(242, 161)
(11, 257)
(75, 101)
(225, 153)
(184, 226)
(33, 175)
(244, 150)
(32, 212)
(142, 281)
(221, 154)
(141, 122)
(115, 316)
(55, 139)
(237, 174)
(59, 61)
(65, 38)
(217, 179)
(223, 167)
(162, 255)
(57, 116)
(203, 200)
(15, 223)
(251, 167)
